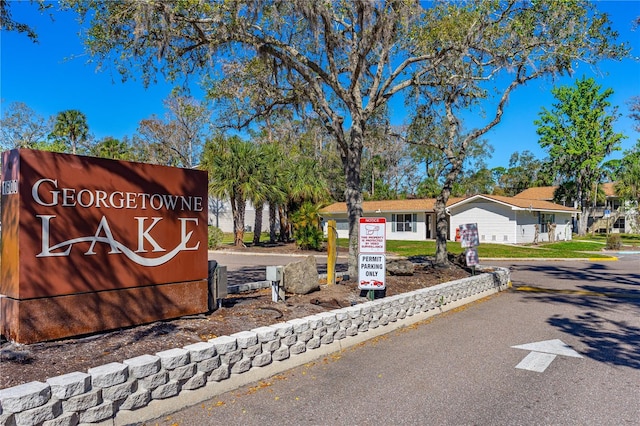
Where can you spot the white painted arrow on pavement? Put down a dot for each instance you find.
(543, 353)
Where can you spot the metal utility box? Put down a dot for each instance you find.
(274, 273)
(217, 284)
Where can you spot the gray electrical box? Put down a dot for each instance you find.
(274, 273)
(217, 284)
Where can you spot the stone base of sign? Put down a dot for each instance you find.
(35, 320)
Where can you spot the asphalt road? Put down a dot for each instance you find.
(460, 368)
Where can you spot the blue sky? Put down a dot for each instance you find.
(54, 75)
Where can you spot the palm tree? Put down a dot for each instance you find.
(272, 160)
(234, 173)
(305, 182)
(276, 162)
(71, 128)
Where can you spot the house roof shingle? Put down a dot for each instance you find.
(537, 193)
(413, 205)
(523, 203)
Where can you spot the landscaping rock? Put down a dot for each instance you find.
(400, 267)
(301, 277)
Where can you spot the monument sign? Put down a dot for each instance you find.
(91, 244)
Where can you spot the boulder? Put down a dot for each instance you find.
(301, 277)
(400, 267)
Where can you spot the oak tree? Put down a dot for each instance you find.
(346, 59)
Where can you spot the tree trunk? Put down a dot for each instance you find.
(273, 209)
(583, 220)
(440, 207)
(353, 194)
(257, 225)
(442, 229)
(283, 224)
(238, 205)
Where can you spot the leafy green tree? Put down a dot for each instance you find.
(275, 162)
(346, 59)
(234, 174)
(525, 171)
(634, 107)
(628, 171)
(478, 182)
(71, 129)
(304, 182)
(628, 178)
(578, 134)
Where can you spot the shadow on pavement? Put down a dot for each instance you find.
(603, 293)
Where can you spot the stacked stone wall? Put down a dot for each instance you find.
(148, 386)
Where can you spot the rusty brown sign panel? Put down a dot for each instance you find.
(74, 225)
(88, 224)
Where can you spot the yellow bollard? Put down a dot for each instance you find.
(332, 251)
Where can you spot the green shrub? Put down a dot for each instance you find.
(306, 227)
(614, 242)
(215, 237)
(308, 238)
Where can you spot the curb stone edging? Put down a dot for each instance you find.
(151, 386)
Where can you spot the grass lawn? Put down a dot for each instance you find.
(559, 250)
(584, 247)
(627, 239)
(247, 239)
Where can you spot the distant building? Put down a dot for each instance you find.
(613, 213)
(220, 215)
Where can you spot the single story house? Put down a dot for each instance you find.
(512, 220)
(410, 220)
(499, 219)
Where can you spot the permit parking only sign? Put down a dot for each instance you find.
(371, 272)
(371, 260)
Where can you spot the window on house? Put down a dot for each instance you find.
(619, 224)
(615, 204)
(342, 225)
(546, 220)
(404, 222)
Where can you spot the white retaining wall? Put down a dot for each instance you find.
(151, 386)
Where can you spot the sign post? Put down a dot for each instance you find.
(372, 259)
(469, 240)
(332, 251)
